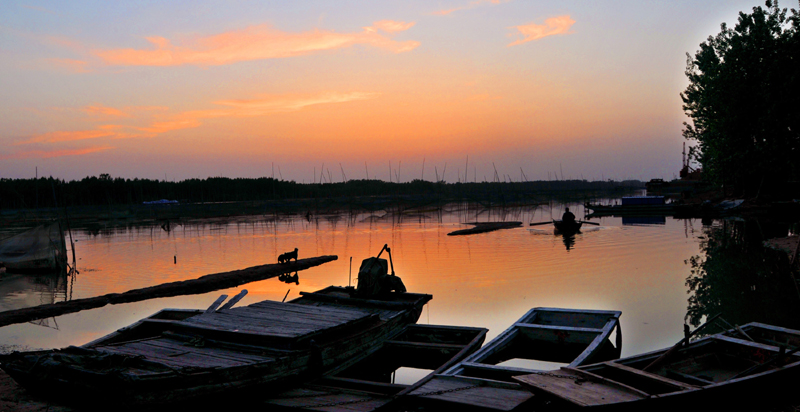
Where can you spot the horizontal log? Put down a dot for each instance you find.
(203, 284)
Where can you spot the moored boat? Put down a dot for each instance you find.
(567, 226)
(180, 355)
(370, 384)
(741, 365)
(542, 336)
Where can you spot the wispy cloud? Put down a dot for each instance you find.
(471, 5)
(45, 154)
(69, 136)
(251, 108)
(255, 43)
(100, 110)
(551, 27)
(163, 123)
(76, 66)
(268, 105)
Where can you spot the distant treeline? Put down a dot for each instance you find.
(105, 190)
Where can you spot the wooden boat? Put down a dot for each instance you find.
(185, 355)
(370, 385)
(485, 379)
(39, 250)
(567, 227)
(734, 367)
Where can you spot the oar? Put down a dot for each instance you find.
(590, 223)
(542, 223)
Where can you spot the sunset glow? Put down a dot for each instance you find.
(209, 89)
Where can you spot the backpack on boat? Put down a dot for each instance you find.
(374, 278)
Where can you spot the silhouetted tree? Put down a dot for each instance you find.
(743, 99)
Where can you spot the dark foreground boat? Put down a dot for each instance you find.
(370, 384)
(567, 226)
(484, 380)
(186, 355)
(736, 367)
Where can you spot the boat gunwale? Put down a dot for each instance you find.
(505, 338)
(772, 373)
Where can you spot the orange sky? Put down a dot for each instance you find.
(229, 90)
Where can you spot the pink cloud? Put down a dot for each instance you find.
(69, 136)
(254, 43)
(45, 154)
(551, 27)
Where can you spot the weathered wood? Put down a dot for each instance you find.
(478, 393)
(234, 300)
(216, 303)
(579, 390)
(204, 284)
(212, 359)
(675, 385)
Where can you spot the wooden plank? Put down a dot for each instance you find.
(234, 300)
(575, 388)
(651, 376)
(589, 352)
(173, 358)
(479, 393)
(210, 351)
(216, 303)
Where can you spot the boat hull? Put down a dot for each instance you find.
(567, 227)
(178, 356)
(731, 368)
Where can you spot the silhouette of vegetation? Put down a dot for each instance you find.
(104, 190)
(743, 99)
(740, 278)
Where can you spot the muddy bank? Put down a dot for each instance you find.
(203, 284)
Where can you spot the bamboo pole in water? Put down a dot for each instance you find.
(203, 284)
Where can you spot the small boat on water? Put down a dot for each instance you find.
(179, 355)
(748, 364)
(484, 380)
(41, 249)
(567, 226)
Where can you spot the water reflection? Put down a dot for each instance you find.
(289, 278)
(738, 277)
(19, 291)
(569, 239)
(486, 280)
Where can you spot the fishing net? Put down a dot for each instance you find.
(39, 249)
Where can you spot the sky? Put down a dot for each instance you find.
(316, 91)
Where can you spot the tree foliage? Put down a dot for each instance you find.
(743, 99)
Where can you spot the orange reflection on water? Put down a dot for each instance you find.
(486, 280)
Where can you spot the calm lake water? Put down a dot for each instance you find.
(637, 266)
